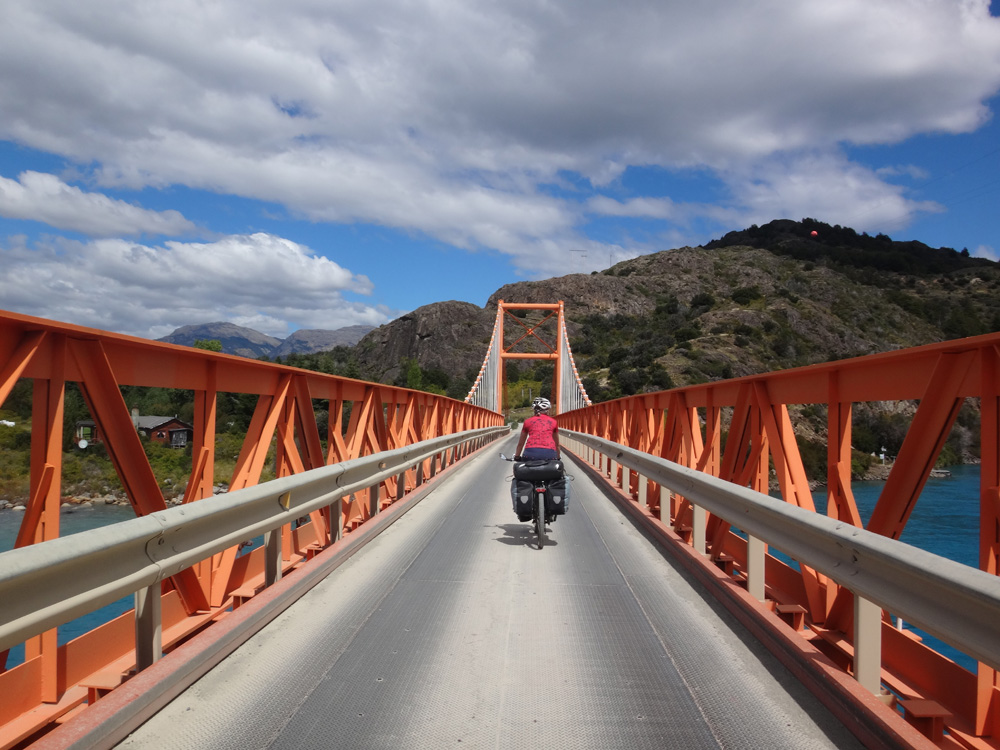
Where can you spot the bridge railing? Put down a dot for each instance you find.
(283, 435)
(951, 601)
(741, 431)
(45, 585)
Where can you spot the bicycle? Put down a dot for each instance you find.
(543, 481)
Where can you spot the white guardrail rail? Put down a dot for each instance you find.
(47, 584)
(956, 603)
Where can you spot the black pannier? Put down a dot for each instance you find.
(557, 498)
(522, 493)
(542, 469)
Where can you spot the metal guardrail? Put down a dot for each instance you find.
(50, 583)
(956, 603)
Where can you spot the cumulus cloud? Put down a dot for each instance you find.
(825, 187)
(46, 198)
(453, 119)
(264, 282)
(504, 126)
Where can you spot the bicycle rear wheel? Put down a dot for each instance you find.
(540, 518)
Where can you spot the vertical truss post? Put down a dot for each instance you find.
(987, 712)
(41, 521)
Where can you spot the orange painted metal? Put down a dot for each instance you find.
(531, 333)
(55, 680)
(741, 430)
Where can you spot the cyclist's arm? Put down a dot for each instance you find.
(555, 438)
(520, 441)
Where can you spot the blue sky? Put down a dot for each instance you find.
(317, 165)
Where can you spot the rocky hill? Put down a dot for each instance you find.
(450, 337)
(781, 295)
(246, 342)
(767, 298)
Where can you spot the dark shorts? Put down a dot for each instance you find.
(539, 453)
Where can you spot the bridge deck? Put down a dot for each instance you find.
(451, 629)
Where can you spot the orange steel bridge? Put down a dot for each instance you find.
(385, 446)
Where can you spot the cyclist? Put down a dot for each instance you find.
(539, 434)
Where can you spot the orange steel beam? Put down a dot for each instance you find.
(507, 351)
(687, 425)
(51, 681)
(987, 717)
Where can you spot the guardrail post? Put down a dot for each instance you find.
(755, 567)
(868, 644)
(373, 499)
(337, 519)
(148, 627)
(400, 485)
(698, 527)
(643, 490)
(272, 556)
(626, 481)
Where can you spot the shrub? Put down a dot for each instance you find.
(745, 295)
(702, 299)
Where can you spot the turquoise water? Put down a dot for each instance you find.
(945, 521)
(71, 522)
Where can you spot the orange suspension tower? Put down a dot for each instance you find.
(490, 387)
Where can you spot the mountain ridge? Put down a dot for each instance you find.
(784, 294)
(246, 342)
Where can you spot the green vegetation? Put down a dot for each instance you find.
(91, 471)
(526, 381)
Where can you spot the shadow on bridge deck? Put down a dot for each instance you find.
(452, 629)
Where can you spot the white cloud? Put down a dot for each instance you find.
(450, 118)
(262, 281)
(46, 198)
(825, 187)
(986, 251)
(651, 208)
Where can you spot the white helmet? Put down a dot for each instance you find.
(541, 404)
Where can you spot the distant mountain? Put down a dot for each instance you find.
(770, 297)
(448, 336)
(780, 295)
(246, 342)
(320, 340)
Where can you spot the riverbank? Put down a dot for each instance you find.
(88, 500)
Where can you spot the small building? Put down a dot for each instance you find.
(165, 430)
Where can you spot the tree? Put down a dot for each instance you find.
(210, 345)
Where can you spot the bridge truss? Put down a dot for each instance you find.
(741, 430)
(283, 437)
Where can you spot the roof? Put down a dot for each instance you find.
(151, 423)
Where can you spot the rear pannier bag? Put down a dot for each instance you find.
(522, 493)
(542, 469)
(557, 498)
